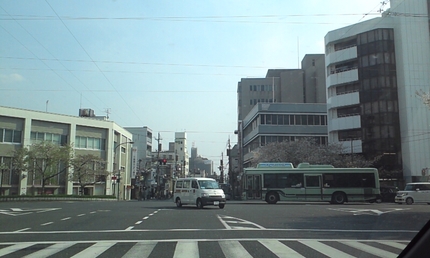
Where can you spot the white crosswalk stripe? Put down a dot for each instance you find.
(190, 248)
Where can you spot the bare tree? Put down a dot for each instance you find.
(307, 150)
(20, 160)
(47, 160)
(87, 170)
(425, 97)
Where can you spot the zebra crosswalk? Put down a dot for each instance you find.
(194, 248)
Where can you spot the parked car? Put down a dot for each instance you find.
(414, 193)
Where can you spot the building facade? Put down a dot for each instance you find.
(100, 137)
(272, 108)
(278, 122)
(373, 71)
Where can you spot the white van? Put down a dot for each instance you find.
(200, 191)
(414, 193)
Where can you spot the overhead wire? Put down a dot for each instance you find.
(89, 56)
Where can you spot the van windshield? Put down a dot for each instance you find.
(208, 184)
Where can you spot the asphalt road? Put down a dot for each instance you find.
(242, 229)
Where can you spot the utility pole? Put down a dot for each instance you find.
(158, 162)
(231, 175)
(221, 168)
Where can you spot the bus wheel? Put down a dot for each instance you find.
(338, 198)
(272, 198)
(199, 204)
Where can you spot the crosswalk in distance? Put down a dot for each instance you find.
(189, 248)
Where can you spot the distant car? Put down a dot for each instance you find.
(388, 193)
(414, 193)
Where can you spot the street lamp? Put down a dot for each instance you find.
(114, 162)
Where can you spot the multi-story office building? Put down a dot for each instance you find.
(374, 69)
(87, 135)
(286, 105)
(278, 122)
(142, 146)
(200, 166)
(181, 153)
(306, 85)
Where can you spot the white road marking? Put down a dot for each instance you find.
(93, 212)
(142, 250)
(21, 230)
(325, 249)
(138, 222)
(95, 250)
(189, 249)
(50, 250)
(234, 249)
(129, 228)
(66, 218)
(47, 223)
(80, 215)
(20, 212)
(279, 249)
(370, 249)
(226, 220)
(14, 248)
(368, 211)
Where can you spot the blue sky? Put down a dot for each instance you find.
(169, 65)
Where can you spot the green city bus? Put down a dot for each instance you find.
(273, 182)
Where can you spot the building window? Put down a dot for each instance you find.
(9, 135)
(90, 143)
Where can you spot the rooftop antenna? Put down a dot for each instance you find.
(107, 111)
(46, 108)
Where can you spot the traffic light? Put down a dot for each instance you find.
(164, 161)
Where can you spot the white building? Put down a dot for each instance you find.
(181, 152)
(20, 128)
(374, 69)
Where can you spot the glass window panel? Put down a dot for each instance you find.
(304, 120)
(97, 144)
(56, 138)
(280, 119)
(32, 135)
(317, 120)
(286, 119)
(83, 142)
(40, 136)
(63, 140)
(310, 120)
(17, 136)
(90, 143)
(8, 135)
(48, 137)
(1, 135)
(297, 120)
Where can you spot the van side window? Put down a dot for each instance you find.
(194, 185)
(186, 184)
(179, 184)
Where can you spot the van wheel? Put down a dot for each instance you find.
(221, 206)
(178, 203)
(199, 204)
(409, 201)
(338, 198)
